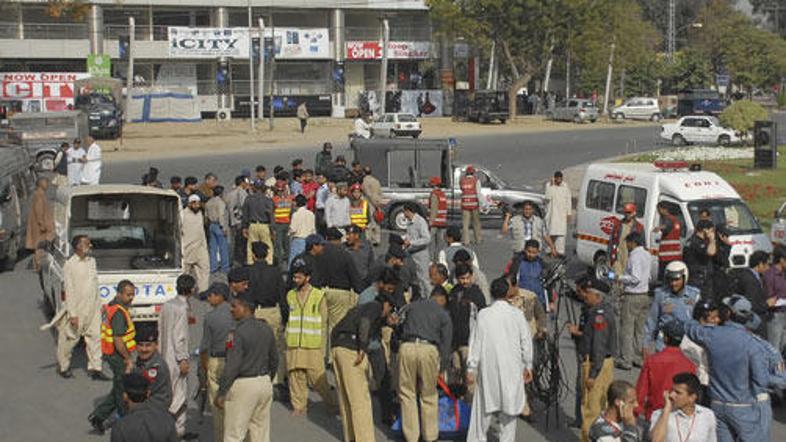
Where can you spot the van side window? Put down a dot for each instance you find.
(630, 194)
(600, 195)
(675, 210)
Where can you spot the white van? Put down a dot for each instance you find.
(135, 231)
(607, 187)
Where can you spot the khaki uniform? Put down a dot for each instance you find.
(215, 367)
(373, 191)
(194, 244)
(82, 302)
(259, 232)
(354, 397)
(593, 401)
(339, 302)
(418, 365)
(272, 316)
(217, 325)
(247, 410)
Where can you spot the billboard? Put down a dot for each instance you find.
(290, 43)
(40, 91)
(397, 50)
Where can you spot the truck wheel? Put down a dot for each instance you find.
(724, 140)
(655, 118)
(577, 119)
(618, 116)
(396, 219)
(9, 261)
(45, 162)
(677, 140)
(502, 120)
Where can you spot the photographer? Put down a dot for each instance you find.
(706, 254)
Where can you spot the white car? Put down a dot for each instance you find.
(698, 129)
(395, 125)
(641, 108)
(778, 231)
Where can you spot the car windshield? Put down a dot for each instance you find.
(115, 236)
(733, 214)
(407, 118)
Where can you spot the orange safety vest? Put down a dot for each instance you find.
(282, 209)
(670, 248)
(358, 215)
(107, 334)
(469, 193)
(441, 219)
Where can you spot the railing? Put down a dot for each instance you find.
(397, 33)
(141, 32)
(45, 31)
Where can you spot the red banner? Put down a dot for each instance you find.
(364, 50)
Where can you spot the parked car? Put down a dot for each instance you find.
(487, 106)
(396, 125)
(576, 110)
(104, 114)
(698, 129)
(17, 183)
(638, 108)
(778, 230)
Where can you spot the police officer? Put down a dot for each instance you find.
(737, 370)
(349, 345)
(152, 366)
(245, 390)
(673, 299)
(118, 343)
(597, 351)
(145, 421)
(238, 281)
(426, 333)
(218, 324)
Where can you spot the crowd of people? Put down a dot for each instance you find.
(305, 293)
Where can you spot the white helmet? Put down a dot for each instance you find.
(676, 269)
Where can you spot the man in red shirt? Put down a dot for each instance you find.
(659, 369)
(309, 189)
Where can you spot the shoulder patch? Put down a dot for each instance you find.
(230, 340)
(599, 323)
(152, 373)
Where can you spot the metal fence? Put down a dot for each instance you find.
(45, 31)
(141, 32)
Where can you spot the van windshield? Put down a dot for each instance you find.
(732, 214)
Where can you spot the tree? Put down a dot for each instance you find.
(75, 9)
(742, 115)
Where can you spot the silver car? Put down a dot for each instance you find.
(576, 110)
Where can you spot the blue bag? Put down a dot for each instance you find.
(453, 415)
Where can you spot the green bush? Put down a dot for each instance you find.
(742, 115)
(781, 99)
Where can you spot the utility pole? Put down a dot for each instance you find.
(130, 72)
(383, 75)
(261, 85)
(272, 69)
(491, 65)
(607, 92)
(251, 70)
(671, 32)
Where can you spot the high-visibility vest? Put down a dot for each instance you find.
(358, 215)
(282, 209)
(441, 220)
(469, 193)
(107, 334)
(670, 248)
(304, 329)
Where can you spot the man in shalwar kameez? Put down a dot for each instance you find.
(500, 362)
(196, 261)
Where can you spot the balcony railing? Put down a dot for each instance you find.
(45, 31)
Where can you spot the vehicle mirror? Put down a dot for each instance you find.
(493, 185)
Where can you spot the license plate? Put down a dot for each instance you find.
(95, 117)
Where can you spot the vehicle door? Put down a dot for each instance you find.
(633, 109)
(688, 129)
(778, 231)
(706, 130)
(650, 108)
(571, 110)
(676, 209)
(595, 222)
(488, 203)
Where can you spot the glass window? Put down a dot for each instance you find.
(731, 214)
(703, 123)
(390, 118)
(675, 210)
(406, 118)
(689, 122)
(600, 195)
(573, 103)
(630, 194)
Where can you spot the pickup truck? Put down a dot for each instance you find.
(432, 158)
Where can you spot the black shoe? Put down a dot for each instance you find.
(96, 423)
(189, 436)
(623, 366)
(97, 375)
(67, 374)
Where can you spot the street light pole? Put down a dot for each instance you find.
(261, 85)
(384, 68)
(251, 70)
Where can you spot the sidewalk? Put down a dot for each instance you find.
(167, 140)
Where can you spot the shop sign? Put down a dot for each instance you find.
(187, 42)
(40, 91)
(396, 50)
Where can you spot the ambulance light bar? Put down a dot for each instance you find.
(677, 165)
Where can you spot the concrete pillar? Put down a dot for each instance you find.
(150, 25)
(20, 22)
(338, 29)
(192, 19)
(220, 19)
(95, 26)
(447, 76)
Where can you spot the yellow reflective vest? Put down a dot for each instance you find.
(304, 329)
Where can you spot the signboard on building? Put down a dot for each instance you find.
(99, 66)
(40, 91)
(397, 50)
(290, 43)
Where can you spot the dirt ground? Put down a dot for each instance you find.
(210, 137)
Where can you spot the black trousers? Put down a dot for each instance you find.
(382, 381)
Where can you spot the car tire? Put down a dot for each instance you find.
(502, 121)
(677, 140)
(619, 116)
(724, 140)
(392, 134)
(655, 118)
(577, 119)
(549, 115)
(416, 135)
(396, 218)
(45, 162)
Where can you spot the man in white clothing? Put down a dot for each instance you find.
(362, 128)
(173, 332)
(74, 157)
(681, 419)
(196, 261)
(558, 211)
(91, 171)
(417, 241)
(500, 361)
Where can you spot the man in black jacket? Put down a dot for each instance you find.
(706, 256)
(750, 284)
(466, 299)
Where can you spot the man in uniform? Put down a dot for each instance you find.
(470, 206)
(212, 351)
(245, 392)
(173, 326)
(257, 214)
(238, 280)
(118, 343)
(359, 208)
(360, 250)
(597, 349)
(145, 421)
(339, 279)
(372, 189)
(673, 299)
(426, 334)
(152, 366)
(306, 333)
(349, 346)
(670, 245)
(234, 200)
(196, 261)
(218, 229)
(437, 213)
(282, 215)
(83, 310)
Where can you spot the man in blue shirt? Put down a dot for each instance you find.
(737, 370)
(674, 299)
(528, 266)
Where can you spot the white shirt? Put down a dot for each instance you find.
(91, 172)
(679, 426)
(637, 272)
(698, 356)
(362, 129)
(74, 166)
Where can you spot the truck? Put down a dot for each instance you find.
(487, 106)
(17, 183)
(41, 133)
(404, 168)
(100, 99)
(135, 231)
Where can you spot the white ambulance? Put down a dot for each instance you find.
(135, 231)
(607, 187)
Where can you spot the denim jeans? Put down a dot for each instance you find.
(738, 422)
(296, 247)
(776, 331)
(218, 248)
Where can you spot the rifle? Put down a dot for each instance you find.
(201, 395)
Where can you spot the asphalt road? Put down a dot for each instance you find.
(38, 405)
